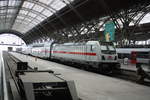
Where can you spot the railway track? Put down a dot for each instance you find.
(10, 63)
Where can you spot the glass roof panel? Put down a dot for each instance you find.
(46, 1)
(47, 13)
(18, 26)
(25, 21)
(24, 28)
(35, 22)
(3, 3)
(12, 3)
(2, 17)
(32, 14)
(9, 15)
(40, 18)
(3, 11)
(28, 4)
(38, 8)
(31, 25)
(58, 4)
(43, 16)
(11, 10)
(28, 19)
(18, 21)
(20, 17)
(8, 21)
(23, 12)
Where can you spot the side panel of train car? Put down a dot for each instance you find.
(126, 52)
(41, 50)
(93, 53)
(37, 50)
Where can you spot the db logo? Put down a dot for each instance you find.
(109, 57)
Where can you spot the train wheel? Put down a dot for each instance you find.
(117, 69)
(83, 66)
(87, 67)
(105, 69)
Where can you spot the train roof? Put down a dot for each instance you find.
(129, 50)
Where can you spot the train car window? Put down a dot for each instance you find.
(143, 55)
(122, 56)
(106, 43)
(38, 45)
(93, 48)
(107, 49)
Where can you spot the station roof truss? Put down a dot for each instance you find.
(40, 18)
(23, 15)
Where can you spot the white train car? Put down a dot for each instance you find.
(126, 52)
(134, 55)
(37, 50)
(24, 50)
(41, 50)
(27, 50)
(101, 55)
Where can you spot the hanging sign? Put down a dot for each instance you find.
(109, 31)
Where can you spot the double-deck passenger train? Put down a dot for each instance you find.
(98, 55)
(129, 52)
(135, 55)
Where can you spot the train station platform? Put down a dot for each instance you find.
(0, 77)
(92, 86)
(132, 67)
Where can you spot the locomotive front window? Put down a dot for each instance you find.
(111, 48)
(103, 47)
(107, 48)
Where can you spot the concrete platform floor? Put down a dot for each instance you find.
(0, 75)
(92, 86)
(132, 67)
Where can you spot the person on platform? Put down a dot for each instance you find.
(141, 74)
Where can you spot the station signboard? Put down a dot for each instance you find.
(109, 31)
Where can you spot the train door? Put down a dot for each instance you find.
(90, 52)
